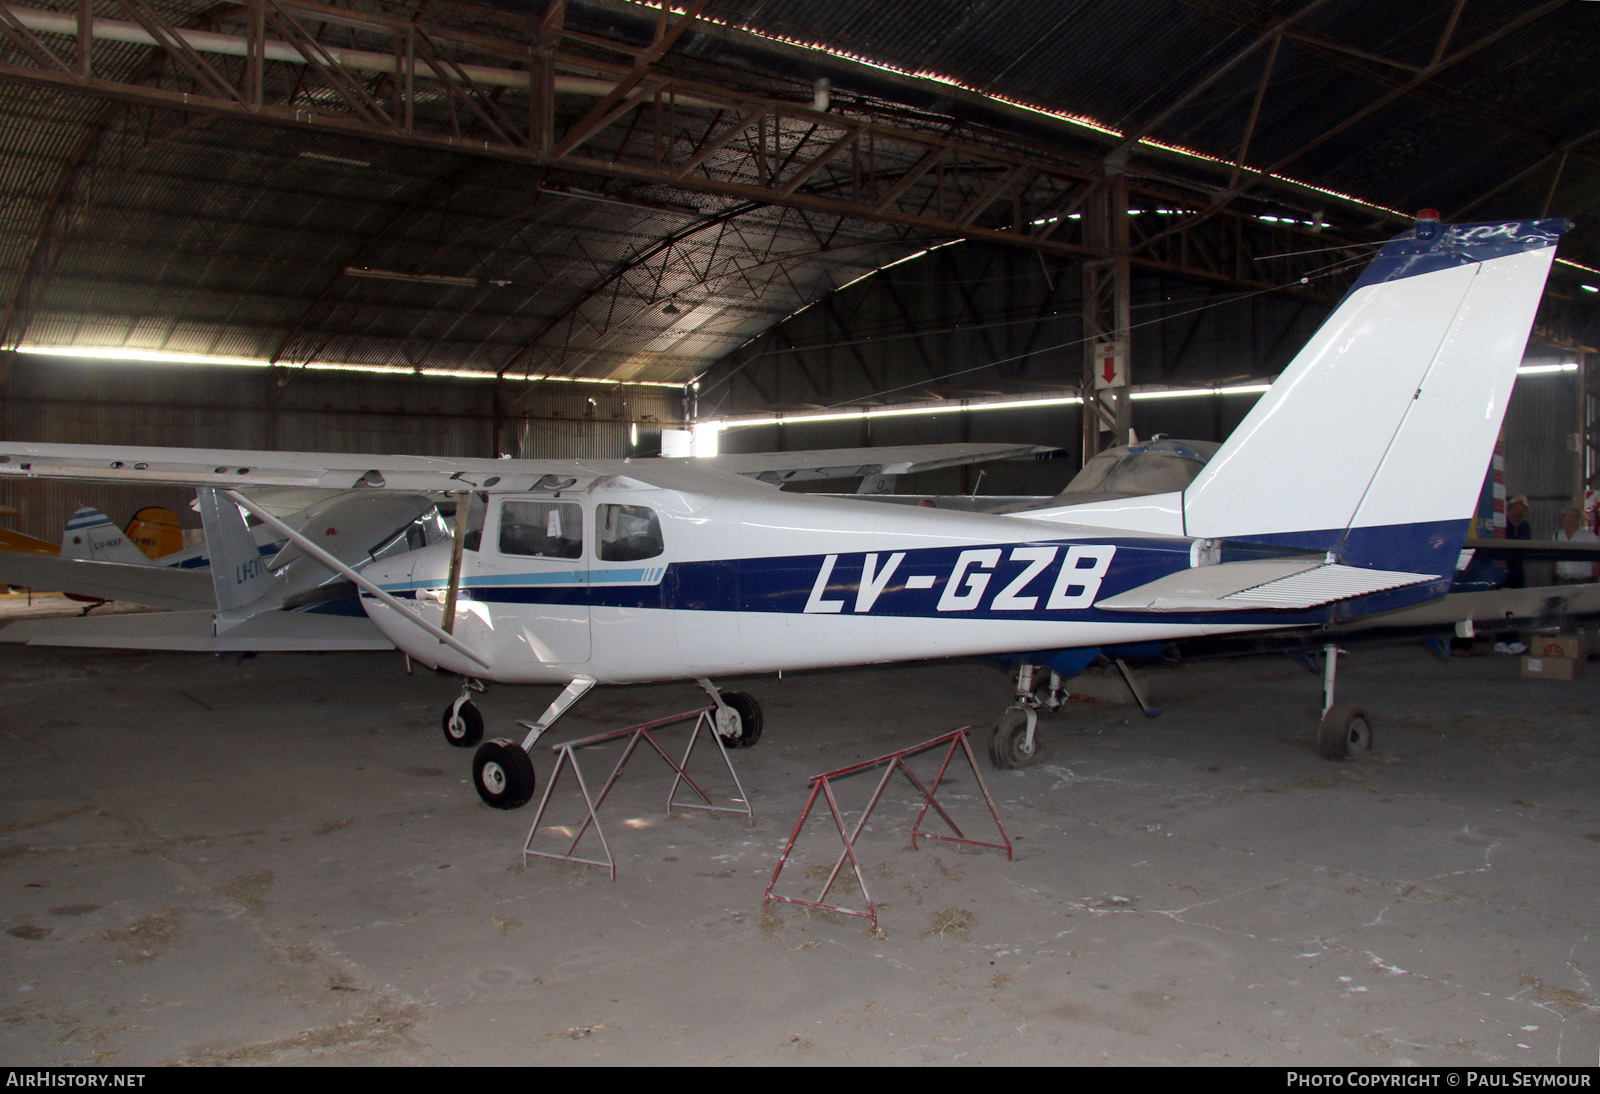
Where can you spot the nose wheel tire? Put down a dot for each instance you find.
(462, 725)
(1345, 733)
(1009, 747)
(747, 731)
(503, 774)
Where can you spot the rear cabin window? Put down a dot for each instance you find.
(541, 529)
(424, 531)
(627, 533)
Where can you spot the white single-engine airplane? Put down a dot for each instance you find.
(1346, 490)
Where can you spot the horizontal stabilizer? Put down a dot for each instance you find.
(152, 586)
(1277, 583)
(193, 632)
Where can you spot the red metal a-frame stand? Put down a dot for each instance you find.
(892, 762)
(567, 756)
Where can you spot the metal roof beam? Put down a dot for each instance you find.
(1132, 135)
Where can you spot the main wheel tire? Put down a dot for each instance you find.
(1345, 733)
(462, 728)
(502, 774)
(1008, 747)
(749, 712)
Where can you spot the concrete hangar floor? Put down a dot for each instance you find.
(280, 861)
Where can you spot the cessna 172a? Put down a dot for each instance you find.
(1346, 490)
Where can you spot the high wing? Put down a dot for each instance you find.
(244, 470)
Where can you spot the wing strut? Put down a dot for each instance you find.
(364, 583)
(457, 543)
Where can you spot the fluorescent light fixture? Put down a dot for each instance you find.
(1199, 392)
(389, 370)
(952, 407)
(904, 411)
(1590, 288)
(123, 353)
(1536, 370)
(164, 357)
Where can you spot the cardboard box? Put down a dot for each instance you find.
(1563, 644)
(1551, 668)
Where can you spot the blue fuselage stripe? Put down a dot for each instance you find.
(1041, 581)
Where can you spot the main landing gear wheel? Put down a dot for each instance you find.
(1009, 747)
(462, 724)
(747, 731)
(1345, 733)
(503, 774)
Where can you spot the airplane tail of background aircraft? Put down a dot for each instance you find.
(90, 534)
(239, 574)
(1372, 444)
(156, 531)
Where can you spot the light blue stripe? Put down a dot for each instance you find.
(648, 576)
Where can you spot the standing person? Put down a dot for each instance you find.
(1575, 571)
(1517, 527)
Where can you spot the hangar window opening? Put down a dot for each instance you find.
(627, 533)
(541, 529)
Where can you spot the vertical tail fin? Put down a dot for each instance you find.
(238, 572)
(1373, 442)
(90, 534)
(156, 532)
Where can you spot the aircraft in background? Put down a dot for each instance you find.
(25, 544)
(90, 534)
(245, 590)
(1346, 491)
(153, 535)
(1158, 466)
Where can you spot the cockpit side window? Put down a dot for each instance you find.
(627, 533)
(541, 529)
